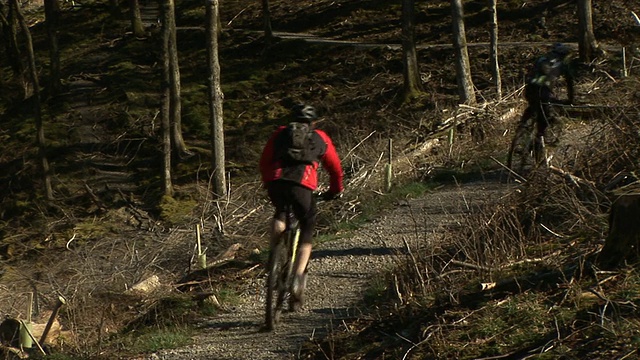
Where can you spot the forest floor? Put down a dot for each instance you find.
(342, 274)
(105, 233)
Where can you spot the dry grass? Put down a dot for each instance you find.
(546, 234)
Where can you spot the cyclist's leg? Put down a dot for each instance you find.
(532, 95)
(544, 113)
(526, 115)
(276, 193)
(538, 141)
(530, 112)
(543, 120)
(275, 295)
(304, 207)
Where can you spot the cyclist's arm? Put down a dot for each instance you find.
(267, 159)
(331, 162)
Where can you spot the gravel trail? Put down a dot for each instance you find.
(339, 273)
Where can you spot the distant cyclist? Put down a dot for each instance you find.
(541, 80)
(288, 166)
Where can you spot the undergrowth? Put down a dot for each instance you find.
(519, 278)
(522, 276)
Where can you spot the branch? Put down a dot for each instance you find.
(635, 17)
(11, 350)
(358, 144)
(573, 178)
(528, 261)
(520, 177)
(472, 266)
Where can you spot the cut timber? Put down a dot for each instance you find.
(624, 232)
(146, 286)
(196, 277)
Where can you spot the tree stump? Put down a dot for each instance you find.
(623, 240)
(10, 332)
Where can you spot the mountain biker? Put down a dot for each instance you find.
(541, 80)
(293, 181)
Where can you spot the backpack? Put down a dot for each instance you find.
(298, 147)
(546, 70)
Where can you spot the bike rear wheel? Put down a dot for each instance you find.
(276, 269)
(280, 267)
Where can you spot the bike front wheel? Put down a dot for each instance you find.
(275, 267)
(280, 267)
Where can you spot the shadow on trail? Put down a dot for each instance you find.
(357, 251)
(228, 325)
(342, 313)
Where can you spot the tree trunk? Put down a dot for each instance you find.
(167, 186)
(33, 72)
(411, 73)
(4, 29)
(136, 19)
(587, 44)
(495, 66)
(52, 19)
(266, 16)
(179, 147)
(463, 68)
(13, 50)
(623, 240)
(215, 100)
(114, 8)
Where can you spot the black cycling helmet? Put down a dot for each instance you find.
(304, 112)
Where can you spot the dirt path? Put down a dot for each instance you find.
(339, 275)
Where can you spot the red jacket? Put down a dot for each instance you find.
(306, 175)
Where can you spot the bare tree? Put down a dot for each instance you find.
(52, 18)
(167, 185)
(587, 44)
(411, 70)
(495, 66)
(266, 16)
(215, 99)
(136, 19)
(33, 73)
(177, 140)
(10, 29)
(4, 25)
(114, 8)
(463, 67)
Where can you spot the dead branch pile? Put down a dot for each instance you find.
(558, 213)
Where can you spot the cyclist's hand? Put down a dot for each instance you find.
(328, 195)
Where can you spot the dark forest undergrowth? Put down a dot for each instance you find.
(537, 250)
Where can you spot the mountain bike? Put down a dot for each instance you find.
(282, 257)
(280, 269)
(527, 149)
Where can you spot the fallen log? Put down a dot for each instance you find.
(202, 275)
(506, 287)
